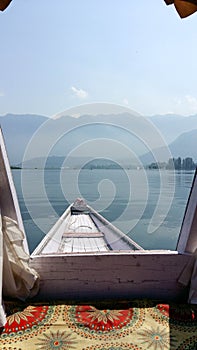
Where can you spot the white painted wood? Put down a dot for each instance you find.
(101, 245)
(80, 223)
(54, 236)
(8, 200)
(81, 247)
(75, 245)
(83, 235)
(67, 245)
(188, 236)
(146, 274)
(71, 229)
(88, 245)
(106, 227)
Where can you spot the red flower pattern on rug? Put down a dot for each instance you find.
(27, 322)
(101, 326)
(103, 320)
(25, 318)
(102, 323)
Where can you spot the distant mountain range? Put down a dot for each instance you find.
(17, 131)
(184, 146)
(179, 132)
(171, 125)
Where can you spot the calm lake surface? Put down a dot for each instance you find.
(127, 198)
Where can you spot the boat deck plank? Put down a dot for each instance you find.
(80, 223)
(66, 246)
(76, 245)
(81, 247)
(88, 245)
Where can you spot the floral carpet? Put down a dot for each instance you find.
(99, 326)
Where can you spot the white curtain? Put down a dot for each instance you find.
(19, 281)
(2, 313)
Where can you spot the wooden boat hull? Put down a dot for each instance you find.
(150, 274)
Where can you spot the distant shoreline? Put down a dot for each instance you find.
(85, 169)
(172, 164)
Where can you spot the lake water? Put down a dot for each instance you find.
(127, 198)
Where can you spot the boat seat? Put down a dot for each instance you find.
(83, 235)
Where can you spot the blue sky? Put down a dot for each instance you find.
(59, 54)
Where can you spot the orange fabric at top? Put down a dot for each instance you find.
(184, 8)
(4, 4)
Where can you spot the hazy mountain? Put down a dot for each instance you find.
(184, 146)
(54, 162)
(65, 134)
(177, 149)
(17, 131)
(172, 125)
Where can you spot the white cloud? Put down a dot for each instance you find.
(125, 101)
(192, 102)
(185, 105)
(2, 94)
(82, 94)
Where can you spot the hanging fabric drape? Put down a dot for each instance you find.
(19, 280)
(2, 313)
